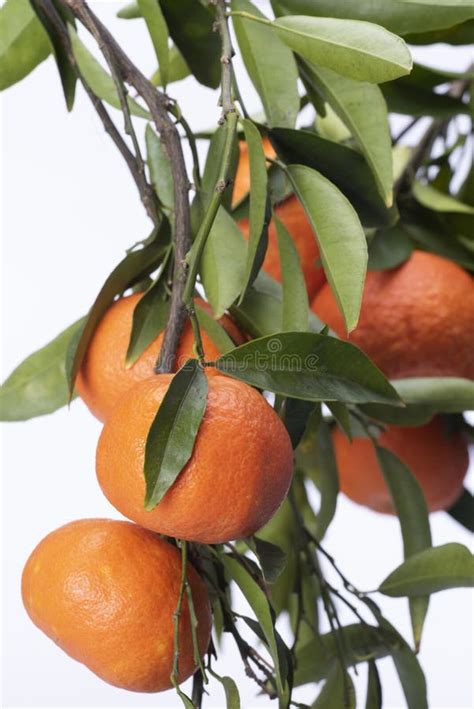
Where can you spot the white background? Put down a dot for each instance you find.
(69, 211)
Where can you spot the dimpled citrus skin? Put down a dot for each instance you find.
(103, 377)
(292, 215)
(238, 475)
(416, 320)
(439, 462)
(105, 592)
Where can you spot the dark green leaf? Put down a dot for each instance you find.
(262, 609)
(151, 13)
(328, 479)
(340, 237)
(338, 691)
(389, 248)
(463, 510)
(361, 106)
(177, 68)
(171, 437)
(223, 263)
(66, 70)
(444, 394)
(432, 570)
(305, 365)
(411, 415)
(136, 265)
(397, 16)
(149, 319)
(358, 50)
(405, 97)
(296, 417)
(258, 197)
(342, 417)
(38, 385)
(295, 311)
(271, 66)
(23, 42)
(271, 558)
(159, 166)
(345, 167)
(98, 79)
(374, 688)
(232, 696)
(214, 330)
(462, 33)
(412, 511)
(213, 166)
(190, 25)
(432, 198)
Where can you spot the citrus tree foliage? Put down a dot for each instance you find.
(370, 200)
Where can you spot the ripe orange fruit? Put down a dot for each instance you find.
(103, 377)
(238, 475)
(416, 320)
(293, 216)
(105, 592)
(439, 462)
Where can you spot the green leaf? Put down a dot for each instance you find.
(308, 366)
(38, 385)
(232, 696)
(443, 394)
(389, 248)
(430, 571)
(171, 437)
(328, 479)
(136, 265)
(213, 166)
(23, 42)
(258, 601)
(359, 50)
(295, 297)
(258, 197)
(412, 512)
(374, 688)
(158, 29)
(406, 97)
(190, 25)
(296, 415)
(340, 236)
(223, 263)
(345, 167)
(130, 11)
(159, 166)
(341, 416)
(361, 106)
(411, 415)
(271, 558)
(463, 510)
(67, 72)
(337, 691)
(177, 68)
(149, 319)
(98, 79)
(214, 330)
(438, 201)
(271, 66)
(399, 17)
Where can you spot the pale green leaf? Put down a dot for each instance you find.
(23, 42)
(158, 29)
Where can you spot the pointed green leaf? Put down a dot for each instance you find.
(305, 365)
(359, 50)
(98, 79)
(295, 297)
(271, 558)
(190, 25)
(296, 415)
(463, 510)
(177, 68)
(340, 237)
(443, 394)
(223, 263)
(213, 165)
(158, 29)
(23, 42)
(149, 320)
(258, 196)
(345, 167)
(374, 688)
(430, 571)
(432, 198)
(214, 330)
(270, 64)
(232, 696)
(341, 416)
(159, 166)
(389, 248)
(361, 106)
(412, 512)
(171, 437)
(337, 691)
(328, 479)
(38, 385)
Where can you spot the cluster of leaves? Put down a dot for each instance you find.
(367, 209)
